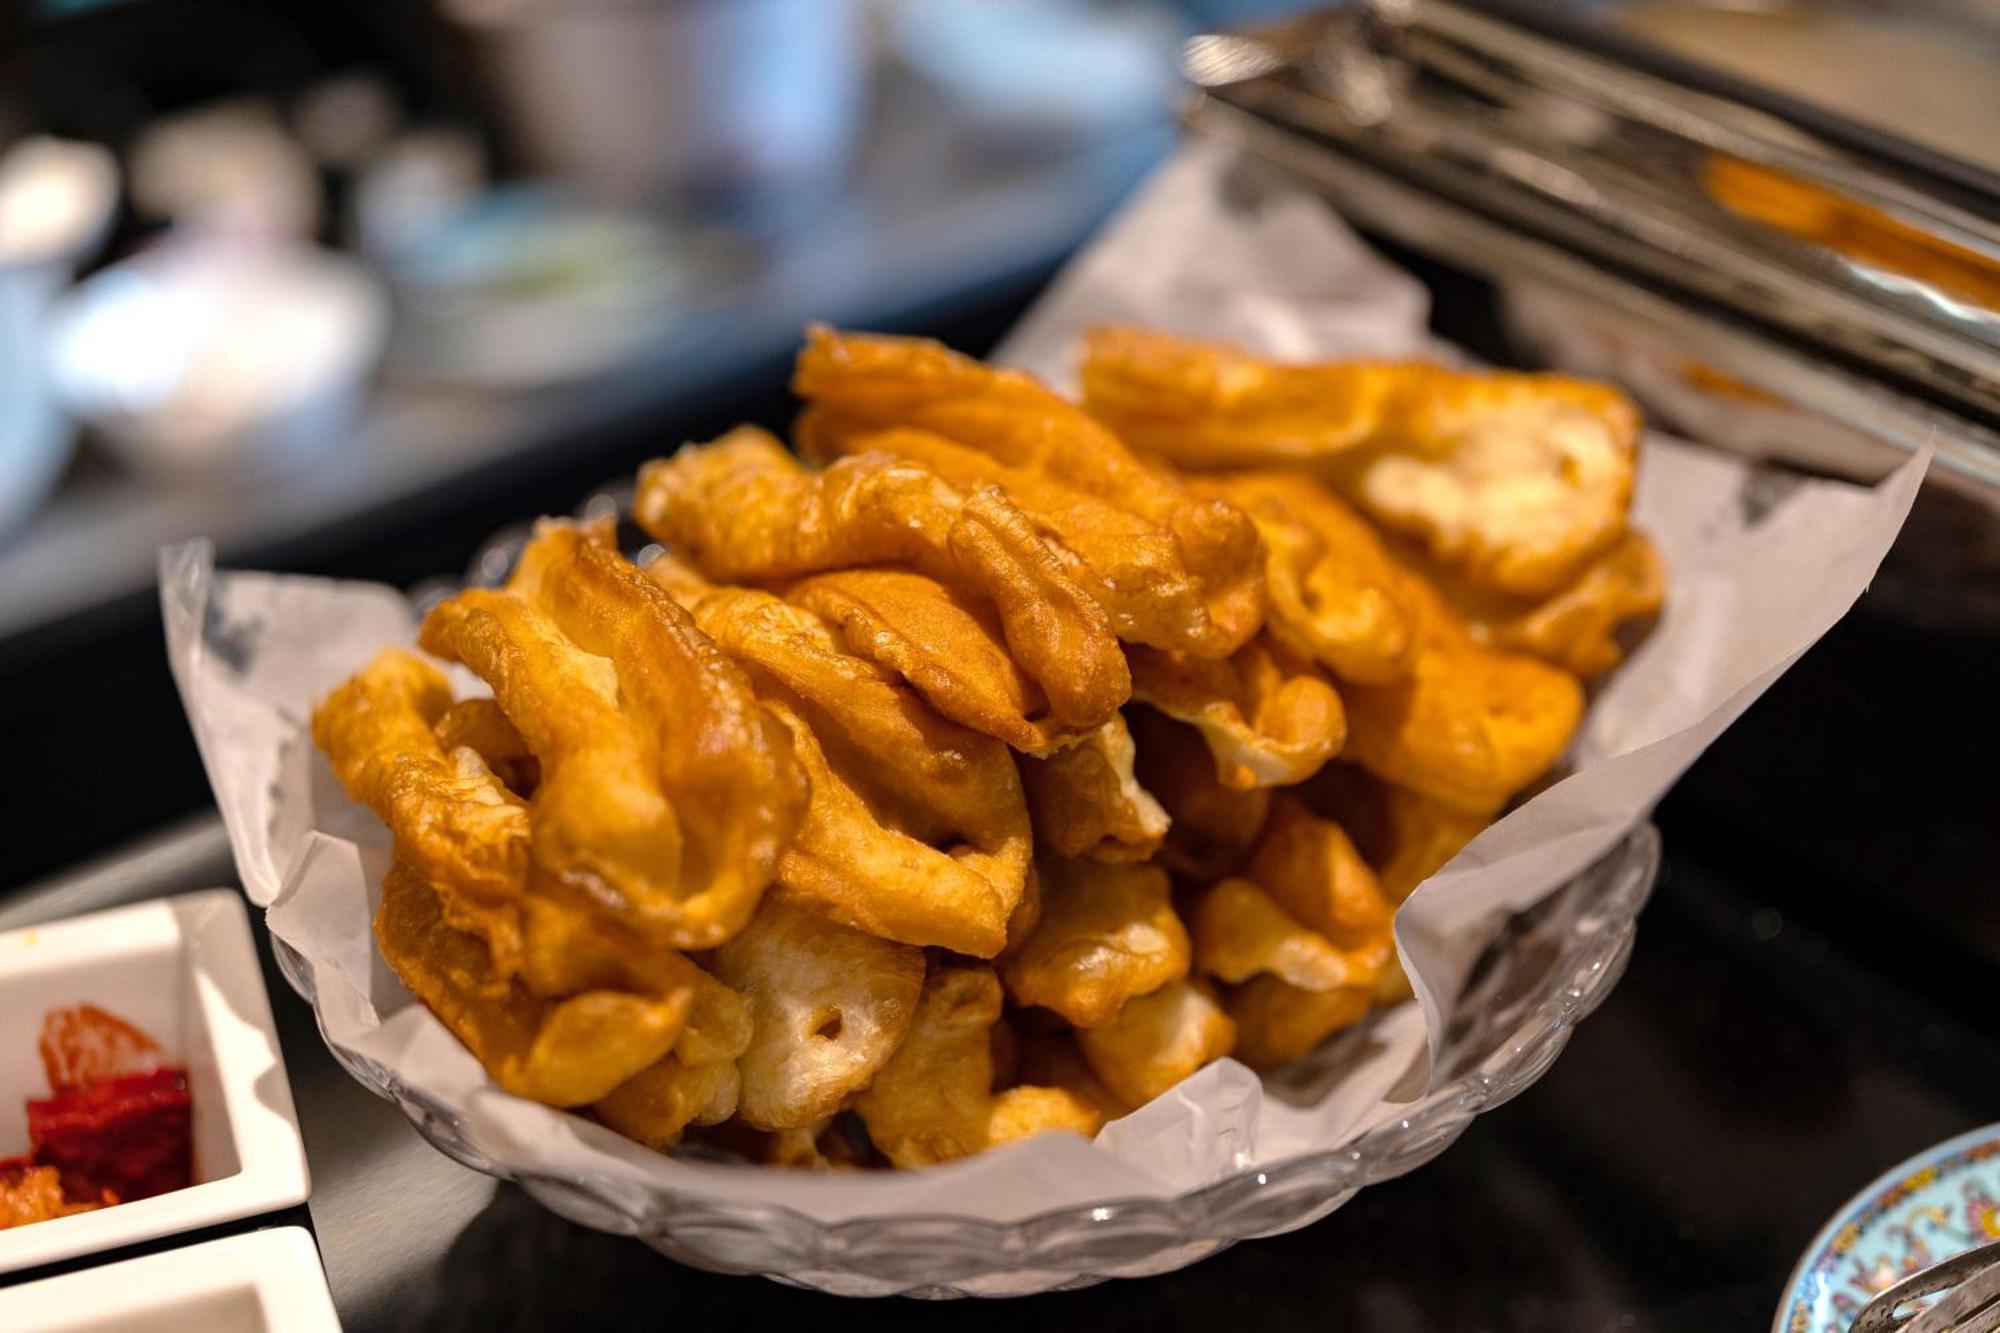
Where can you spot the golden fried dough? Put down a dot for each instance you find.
(1133, 567)
(1269, 718)
(1240, 931)
(1085, 801)
(1310, 866)
(1336, 592)
(1471, 725)
(934, 1101)
(1515, 480)
(479, 725)
(1277, 1022)
(1052, 1060)
(1577, 626)
(604, 829)
(564, 1051)
(742, 509)
(982, 680)
(917, 829)
(1018, 421)
(1107, 933)
(1156, 1041)
(1407, 837)
(696, 1084)
(1211, 828)
(830, 1005)
(827, 1146)
(452, 819)
(724, 761)
(948, 647)
(1209, 405)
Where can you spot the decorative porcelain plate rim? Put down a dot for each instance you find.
(1795, 1297)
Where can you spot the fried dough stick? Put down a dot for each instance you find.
(564, 1052)
(1211, 828)
(948, 648)
(830, 1006)
(1131, 566)
(741, 509)
(1108, 933)
(697, 1083)
(724, 762)
(605, 833)
(1336, 592)
(1157, 1040)
(934, 1101)
(1270, 719)
(450, 816)
(1515, 480)
(1085, 801)
(882, 381)
(1577, 627)
(1471, 725)
(917, 830)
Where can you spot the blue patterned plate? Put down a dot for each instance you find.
(1941, 1202)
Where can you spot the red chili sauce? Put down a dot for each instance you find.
(115, 1127)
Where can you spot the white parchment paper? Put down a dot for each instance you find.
(1757, 575)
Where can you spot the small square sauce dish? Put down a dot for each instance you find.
(173, 989)
(258, 1282)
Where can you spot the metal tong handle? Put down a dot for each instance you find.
(1973, 1305)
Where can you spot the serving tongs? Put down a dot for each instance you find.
(1967, 1291)
(1760, 284)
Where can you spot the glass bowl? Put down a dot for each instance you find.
(1542, 972)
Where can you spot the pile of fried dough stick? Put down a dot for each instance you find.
(992, 762)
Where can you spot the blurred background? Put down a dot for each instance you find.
(345, 287)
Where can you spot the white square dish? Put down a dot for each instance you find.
(259, 1282)
(185, 971)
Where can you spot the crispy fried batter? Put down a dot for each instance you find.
(934, 1101)
(605, 832)
(1472, 725)
(1107, 933)
(1240, 931)
(564, 1051)
(1310, 866)
(830, 1145)
(481, 726)
(696, 1084)
(917, 829)
(724, 763)
(1270, 719)
(949, 648)
(452, 819)
(1277, 1022)
(1211, 827)
(830, 1005)
(1209, 405)
(1576, 627)
(1134, 568)
(1516, 480)
(1157, 1040)
(1336, 592)
(742, 509)
(1407, 837)
(1015, 419)
(1053, 1060)
(1085, 801)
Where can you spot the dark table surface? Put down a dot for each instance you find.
(1794, 1021)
